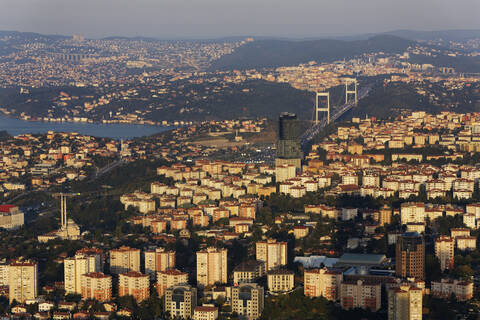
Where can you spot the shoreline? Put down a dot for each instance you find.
(117, 131)
(90, 121)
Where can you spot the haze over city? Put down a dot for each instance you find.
(239, 160)
(218, 18)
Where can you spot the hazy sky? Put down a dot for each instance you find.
(214, 18)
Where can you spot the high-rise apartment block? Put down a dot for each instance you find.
(360, 294)
(405, 303)
(444, 251)
(158, 260)
(134, 284)
(4, 274)
(82, 263)
(23, 280)
(96, 285)
(273, 253)
(211, 266)
(410, 256)
(385, 216)
(169, 278)
(322, 283)
(124, 259)
(11, 217)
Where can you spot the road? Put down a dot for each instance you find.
(107, 168)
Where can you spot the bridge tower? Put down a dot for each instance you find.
(348, 83)
(324, 108)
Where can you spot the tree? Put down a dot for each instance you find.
(463, 272)
(433, 271)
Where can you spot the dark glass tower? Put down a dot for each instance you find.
(410, 256)
(288, 144)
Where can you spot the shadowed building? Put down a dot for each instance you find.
(288, 145)
(410, 256)
(180, 301)
(247, 300)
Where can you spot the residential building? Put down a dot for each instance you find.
(205, 313)
(445, 288)
(466, 243)
(158, 260)
(96, 285)
(180, 301)
(444, 251)
(405, 303)
(385, 216)
(248, 272)
(23, 280)
(169, 278)
(322, 283)
(11, 217)
(280, 280)
(134, 284)
(273, 253)
(77, 266)
(360, 294)
(248, 300)
(124, 259)
(211, 266)
(410, 256)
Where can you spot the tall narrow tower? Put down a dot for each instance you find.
(68, 229)
(64, 212)
(322, 109)
(348, 91)
(288, 144)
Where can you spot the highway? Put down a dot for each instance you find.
(107, 168)
(335, 113)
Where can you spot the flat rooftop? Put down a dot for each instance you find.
(349, 259)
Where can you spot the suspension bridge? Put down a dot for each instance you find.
(335, 112)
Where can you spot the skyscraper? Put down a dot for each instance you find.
(288, 144)
(410, 256)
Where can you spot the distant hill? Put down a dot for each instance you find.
(387, 101)
(31, 36)
(447, 35)
(4, 135)
(275, 53)
(249, 99)
(138, 38)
